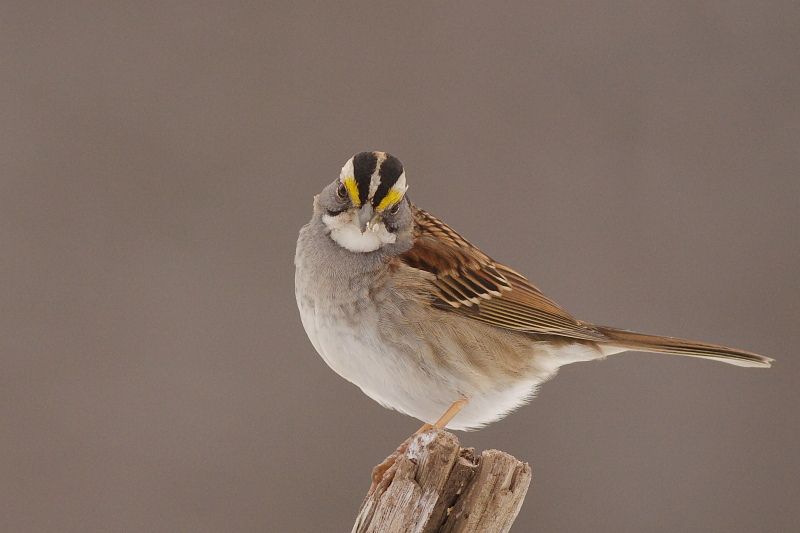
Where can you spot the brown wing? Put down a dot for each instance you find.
(468, 282)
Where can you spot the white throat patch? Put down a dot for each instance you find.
(345, 231)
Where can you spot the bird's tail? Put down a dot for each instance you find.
(622, 340)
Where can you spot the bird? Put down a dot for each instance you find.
(398, 303)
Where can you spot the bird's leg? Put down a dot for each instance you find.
(448, 415)
(385, 472)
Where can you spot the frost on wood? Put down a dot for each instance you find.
(439, 487)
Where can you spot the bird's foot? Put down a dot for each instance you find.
(384, 472)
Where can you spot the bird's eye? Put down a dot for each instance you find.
(341, 191)
(394, 209)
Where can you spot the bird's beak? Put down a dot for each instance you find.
(367, 217)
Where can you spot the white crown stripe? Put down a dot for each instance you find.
(376, 176)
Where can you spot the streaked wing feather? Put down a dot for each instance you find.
(470, 283)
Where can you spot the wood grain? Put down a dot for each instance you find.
(440, 487)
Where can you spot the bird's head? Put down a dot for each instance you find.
(366, 207)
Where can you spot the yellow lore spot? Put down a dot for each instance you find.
(352, 189)
(391, 198)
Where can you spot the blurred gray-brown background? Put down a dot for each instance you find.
(637, 161)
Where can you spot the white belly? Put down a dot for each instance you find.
(399, 384)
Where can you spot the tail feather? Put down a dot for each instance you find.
(622, 340)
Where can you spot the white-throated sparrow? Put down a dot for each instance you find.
(425, 323)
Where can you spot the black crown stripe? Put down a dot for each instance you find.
(364, 165)
(391, 170)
